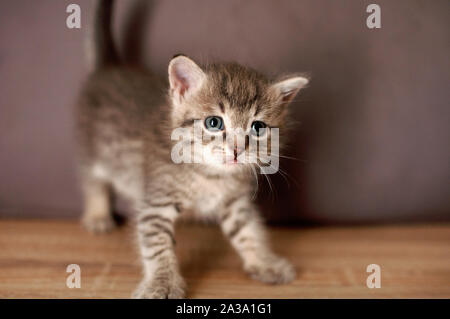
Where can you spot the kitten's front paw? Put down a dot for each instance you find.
(273, 270)
(98, 224)
(161, 289)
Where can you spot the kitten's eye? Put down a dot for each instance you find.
(258, 128)
(214, 123)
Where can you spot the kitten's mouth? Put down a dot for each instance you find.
(233, 160)
(230, 159)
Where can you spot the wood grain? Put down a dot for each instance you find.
(331, 261)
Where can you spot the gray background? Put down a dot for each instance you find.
(374, 134)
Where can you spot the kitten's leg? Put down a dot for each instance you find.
(241, 224)
(162, 278)
(97, 215)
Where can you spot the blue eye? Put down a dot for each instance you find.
(258, 128)
(214, 123)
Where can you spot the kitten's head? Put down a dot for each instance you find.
(231, 111)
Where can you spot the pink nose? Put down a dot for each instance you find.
(238, 151)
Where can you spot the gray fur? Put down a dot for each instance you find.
(124, 121)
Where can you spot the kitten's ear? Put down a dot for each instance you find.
(288, 88)
(185, 76)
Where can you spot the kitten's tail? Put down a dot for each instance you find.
(101, 50)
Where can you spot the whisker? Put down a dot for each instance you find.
(257, 182)
(272, 193)
(285, 176)
(292, 158)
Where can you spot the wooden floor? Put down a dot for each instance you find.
(331, 262)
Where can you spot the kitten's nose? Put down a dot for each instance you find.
(238, 151)
(236, 142)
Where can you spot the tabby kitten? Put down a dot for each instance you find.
(124, 127)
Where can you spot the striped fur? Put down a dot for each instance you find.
(124, 124)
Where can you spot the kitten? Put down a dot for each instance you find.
(125, 122)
